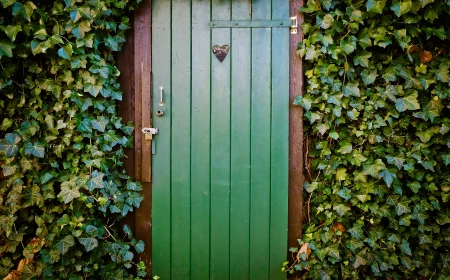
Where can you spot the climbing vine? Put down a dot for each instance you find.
(378, 119)
(62, 191)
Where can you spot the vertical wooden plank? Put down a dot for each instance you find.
(146, 154)
(200, 139)
(181, 115)
(220, 147)
(240, 143)
(126, 106)
(142, 64)
(161, 184)
(260, 144)
(295, 133)
(279, 142)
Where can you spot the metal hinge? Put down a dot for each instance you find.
(149, 132)
(294, 25)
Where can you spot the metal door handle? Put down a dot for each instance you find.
(161, 96)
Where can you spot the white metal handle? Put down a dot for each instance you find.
(161, 96)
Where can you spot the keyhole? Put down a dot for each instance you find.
(159, 113)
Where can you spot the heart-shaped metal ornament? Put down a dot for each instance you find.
(220, 51)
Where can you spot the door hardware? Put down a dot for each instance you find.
(161, 96)
(159, 112)
(149, 132)
(294, 25)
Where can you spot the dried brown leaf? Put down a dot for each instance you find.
(425, 56)
(304, 249)
(340, 227)
(413, 48)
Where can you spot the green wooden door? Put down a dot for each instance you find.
(220, 162)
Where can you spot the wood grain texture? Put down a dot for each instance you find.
(240, 144)
(142, 66)
(161, 169)
(295, 135)
(200, 139)
(126, 106)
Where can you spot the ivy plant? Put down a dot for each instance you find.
(62, 188)
(377, 120)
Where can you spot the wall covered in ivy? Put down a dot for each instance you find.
(62, 191)
(378, 118)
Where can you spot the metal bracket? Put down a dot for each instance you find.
(149, 132)
(294, 25)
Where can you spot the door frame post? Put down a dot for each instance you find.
(134, 63)
(295, 200)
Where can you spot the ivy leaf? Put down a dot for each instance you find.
(407, 103)
(6, 48)
(66, 51)
(140, 246)
(47, 176)
(401, 7)
(8, 146)
(351, 89)
(326, 21)
(89, 243)
(25, 10)
(50, 256)
(345, 147)
(359, 261)
(345, 193)
(36, 149)
(402, 206)
(341, 209)
(100, 124)
(12, 30)
(305, 101)
(388, 176)
(8, 170)
(404, 247)
(68, 192)
(80, 30)
(398, 161)
(341, 174)
(425, 2)
(375, 6)
(64, 244)
(310, 187)
(96, 181)
(374, 169)
(7, 3)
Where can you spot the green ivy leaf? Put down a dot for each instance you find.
(12, 30)
(402, 206)
(66, 51)
(89, 243)
(375, 6)
(374, 169)
(81, 29)
(351, 89)
(36, 149)
(8, 146)
(64, 244)
(401, 7)
(96, 181)
(7, 3)
(68, 192)
(407, 103)
(25, 10)
(6, 48)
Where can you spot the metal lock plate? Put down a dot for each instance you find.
(149, 132)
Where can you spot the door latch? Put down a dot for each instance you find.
(149, 132)
(294, 25)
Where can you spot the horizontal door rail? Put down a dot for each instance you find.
(249, 23)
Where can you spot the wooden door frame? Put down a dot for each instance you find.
(134, 63)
